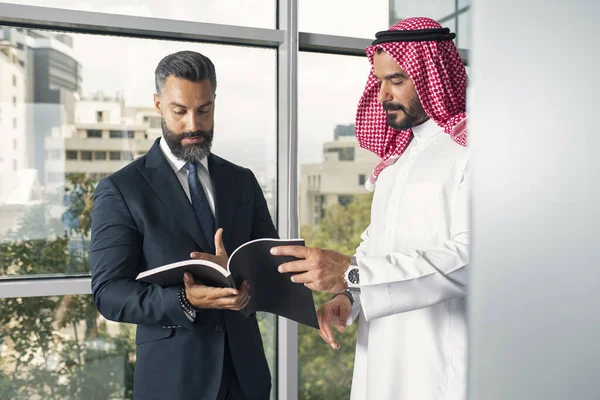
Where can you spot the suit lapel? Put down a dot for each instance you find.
(166, 185)
(225, 195)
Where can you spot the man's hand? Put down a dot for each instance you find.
(320, 269)
(201, 296)
(220, 256)
(336, 311)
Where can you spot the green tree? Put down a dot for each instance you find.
(57, 346)
(324, 373)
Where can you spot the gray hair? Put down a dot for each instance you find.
(187, 65)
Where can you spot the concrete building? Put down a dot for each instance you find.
(103, 140)
(341, 175)
(52, 83)
(13, 154)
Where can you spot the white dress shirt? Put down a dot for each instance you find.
(181, 170)
(412, 340)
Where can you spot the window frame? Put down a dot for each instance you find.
(287, 41)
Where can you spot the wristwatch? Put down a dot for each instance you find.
(352, 276)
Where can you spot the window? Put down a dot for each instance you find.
(153, 122)
(14, 142)
(14, 100)
(449, 13)
(323, 217)
(68, 198)
(99, 155)
(14, 123)
(94, 133)
(345, 200)
(54, 155)
(121, 134)
(259, 14)
(360, 18)
(344, 153)
(381, 15)
(15, 166)
(72, 352)
(14, 80)
(362, 179)
(20, 46)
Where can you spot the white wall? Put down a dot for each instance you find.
(535, 278)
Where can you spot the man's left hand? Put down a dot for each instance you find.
(318, 269)
(220, 257)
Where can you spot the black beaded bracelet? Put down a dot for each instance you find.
(189, 310)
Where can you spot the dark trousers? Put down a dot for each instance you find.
(230, 387)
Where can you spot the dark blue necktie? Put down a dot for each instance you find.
(200, 204)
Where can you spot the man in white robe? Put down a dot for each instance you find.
(407, 280)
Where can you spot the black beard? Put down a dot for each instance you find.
(414, 115)
(193, 153)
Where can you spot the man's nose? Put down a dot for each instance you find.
(384, 93)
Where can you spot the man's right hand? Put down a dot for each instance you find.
(336, 311)
(201, 296)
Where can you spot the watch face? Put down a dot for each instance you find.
(353, 276)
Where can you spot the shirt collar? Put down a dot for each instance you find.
(427, 130)
(175, 162)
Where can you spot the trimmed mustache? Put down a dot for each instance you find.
(392, 106)
(194, 134)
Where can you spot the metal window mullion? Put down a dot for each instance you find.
(131, 26)
(34, 287)
(287, 182)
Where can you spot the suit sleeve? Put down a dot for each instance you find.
(262, 225)
(116, 258)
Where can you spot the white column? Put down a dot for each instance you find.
(534, 295)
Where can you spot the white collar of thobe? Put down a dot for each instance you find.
(427, 130)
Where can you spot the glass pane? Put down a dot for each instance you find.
(334, 205)
(464, 30)
(72, 100)
(458, 20)
(357, 18)
(61, 348)
(463, 3)
(254, 13)
(435, 9)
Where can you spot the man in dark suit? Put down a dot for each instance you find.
(192, 342)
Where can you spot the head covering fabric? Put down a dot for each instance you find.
(440, 80)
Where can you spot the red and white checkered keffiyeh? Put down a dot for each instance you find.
(440, 80)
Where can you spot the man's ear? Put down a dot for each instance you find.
(157, 104)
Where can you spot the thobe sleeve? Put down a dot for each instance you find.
(398, 282)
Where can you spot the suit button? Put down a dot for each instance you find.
(218, 328)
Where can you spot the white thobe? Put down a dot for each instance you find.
(412, 336)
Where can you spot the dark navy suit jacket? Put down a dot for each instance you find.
(143, 219)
